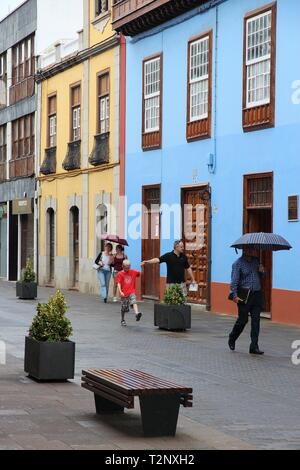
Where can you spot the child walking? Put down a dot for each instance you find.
(126, 281)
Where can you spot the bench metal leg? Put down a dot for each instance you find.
(104, 406)
(159, 414)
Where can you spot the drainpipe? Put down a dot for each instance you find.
(122, 131)
(208, 307)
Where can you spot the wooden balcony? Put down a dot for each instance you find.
(21, 90)
(132, 17)
(21, 167)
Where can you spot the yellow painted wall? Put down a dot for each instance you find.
(61, 186)
(98, 64)
(59, 84)
(97, 36)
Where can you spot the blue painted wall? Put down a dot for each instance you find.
(237, 153)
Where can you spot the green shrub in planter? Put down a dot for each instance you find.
(50, 323)
(49, 354)
(174, 295)
(26, 288)
(173, 313)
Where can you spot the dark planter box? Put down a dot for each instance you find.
(26, 290)
(49, 361)
(172, 317)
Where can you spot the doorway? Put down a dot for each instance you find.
(196, 235)
(151, 241)
(51, 247)
(74, 247)
(3, 241)
(13, 245)
(258, 217)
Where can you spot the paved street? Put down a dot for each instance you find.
(240, 401)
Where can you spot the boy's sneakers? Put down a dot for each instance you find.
(115, 299)
(123, 323)
(138, 316)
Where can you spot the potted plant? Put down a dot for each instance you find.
(27, 288)
(173, 313)
(49, 354)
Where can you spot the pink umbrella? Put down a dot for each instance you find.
(115, 239)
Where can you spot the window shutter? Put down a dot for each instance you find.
(293, 208)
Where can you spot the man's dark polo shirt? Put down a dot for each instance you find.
(176, 266)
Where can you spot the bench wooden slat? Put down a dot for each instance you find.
(134, 381)
(166, 382)
(104, 388)
(127, 404)
(126, 380)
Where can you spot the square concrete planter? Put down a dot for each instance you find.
(172, 317)
(26, 290)
(49, 361)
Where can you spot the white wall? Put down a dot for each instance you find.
(57, 19)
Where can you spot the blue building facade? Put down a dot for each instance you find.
(213, 119)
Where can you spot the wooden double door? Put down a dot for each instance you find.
(151, 241)
(258, 217)
(196, 235)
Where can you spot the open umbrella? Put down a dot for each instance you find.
(115, 239)
(262, 241)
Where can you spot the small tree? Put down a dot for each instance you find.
(174, 295)
(50, 323)
(28, 274)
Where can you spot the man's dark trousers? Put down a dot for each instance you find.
(254, 307)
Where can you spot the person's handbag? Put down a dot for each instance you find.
(96, 266)
(243, 295)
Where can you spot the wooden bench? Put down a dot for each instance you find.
(160, 399)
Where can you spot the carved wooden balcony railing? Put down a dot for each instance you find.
(100, 153)
(21, 167)
(73, 157)
(132, 17)
(21, 90)
(48, 166)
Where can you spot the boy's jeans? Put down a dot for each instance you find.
(104, 280)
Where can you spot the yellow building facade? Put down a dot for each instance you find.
(79, 181)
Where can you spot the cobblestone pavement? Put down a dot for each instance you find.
(240, 401)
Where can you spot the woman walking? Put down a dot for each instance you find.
(104, 261)
(119, 258)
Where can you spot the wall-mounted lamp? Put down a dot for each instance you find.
(211, 164)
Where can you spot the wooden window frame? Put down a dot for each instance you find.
(263, 115)
(3, 68)
(99, 11)
(101, 96)
(290, 198)
(74, 106)
(201, 128)
(3, 146)
(23, 139)
(152, 140)
(49, 116)
(23, 69)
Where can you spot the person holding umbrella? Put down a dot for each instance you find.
(247, 294)
(246, 290)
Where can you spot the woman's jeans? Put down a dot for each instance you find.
(104, 280)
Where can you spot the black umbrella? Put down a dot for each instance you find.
(262, 241)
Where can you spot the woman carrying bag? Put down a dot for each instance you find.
(105, 261)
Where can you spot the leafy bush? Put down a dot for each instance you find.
(28, 274)
(174, 295)
(50, 323)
